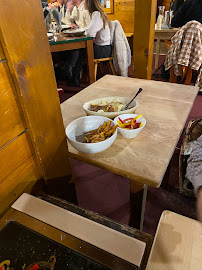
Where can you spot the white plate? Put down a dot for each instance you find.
(49, 35)
(124, 100)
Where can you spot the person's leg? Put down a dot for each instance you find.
(70, 61)
(78, 66)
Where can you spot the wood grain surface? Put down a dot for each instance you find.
(143, 42)
(22, 179)
(124, 11)
(177, 244)
(13, 155)
(146, 157)
(25, 43)
(116, 243)
(10, 119)
(2, 56)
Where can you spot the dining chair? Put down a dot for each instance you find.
(185, 72)
(109, 60)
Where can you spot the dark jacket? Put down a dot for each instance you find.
(176, 5)
(189, 11)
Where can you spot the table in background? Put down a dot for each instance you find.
(162, 34)
(145, 158)
(64, 43)
(177, 244)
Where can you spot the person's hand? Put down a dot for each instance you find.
(53, 5)
(70, 6)
(74, 26)
(199, 204)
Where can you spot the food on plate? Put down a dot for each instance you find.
(107, 106)
(129, 123)
(100, 134)
(5, 265)
(42, 265)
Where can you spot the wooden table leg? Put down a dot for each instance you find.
(157, 53)
(90, 55)
(138, 194)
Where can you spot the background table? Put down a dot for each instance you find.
(65, 43)
(177, 244)
(162, 34)
(145, 158)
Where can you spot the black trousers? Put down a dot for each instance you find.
(102, 51)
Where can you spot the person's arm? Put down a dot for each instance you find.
(87, 19)
(71, 17)
(181, 16)
(95, 25)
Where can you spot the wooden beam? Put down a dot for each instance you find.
(26, 47)
(143, 42)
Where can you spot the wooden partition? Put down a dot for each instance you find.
(32, 137)
(124, 12)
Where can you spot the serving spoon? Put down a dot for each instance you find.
(138, 92)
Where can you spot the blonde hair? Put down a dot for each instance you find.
(95, 5)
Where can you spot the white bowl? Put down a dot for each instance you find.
(76, 129)
(124, 100)
(130, 133)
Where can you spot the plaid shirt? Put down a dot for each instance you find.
(186, 49)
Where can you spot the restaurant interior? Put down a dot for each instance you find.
(101, 158)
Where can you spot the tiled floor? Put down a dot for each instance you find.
(108, 194)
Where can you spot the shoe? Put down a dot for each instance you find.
(75, 82)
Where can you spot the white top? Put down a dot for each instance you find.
(96, 30)
(79, 15)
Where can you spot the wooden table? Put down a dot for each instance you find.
(80, 230)
(162, 34)
(145, 158)
(177, 244)
(64, 43)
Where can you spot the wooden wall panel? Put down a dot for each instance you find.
(166, 3)
(124, 12)
(2, 56)
(27, 50)
(13, 155)
(10, 119)
(21, 180)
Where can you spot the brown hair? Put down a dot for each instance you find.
(95, 5)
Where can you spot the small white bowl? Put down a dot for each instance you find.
(124, 100)
(76, 129)
(130, 133)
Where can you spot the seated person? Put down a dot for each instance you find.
(194, 173)
(77, 14)
(176, 5)
(190, 10)
(99, 29)
(61, 6)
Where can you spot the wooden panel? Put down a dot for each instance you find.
(118, 244)
(177, 244)
(13, 155)
(10, 119)
(2, 56)
(124, 11)
(30, 62)
(21, 180)
(145, 17)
